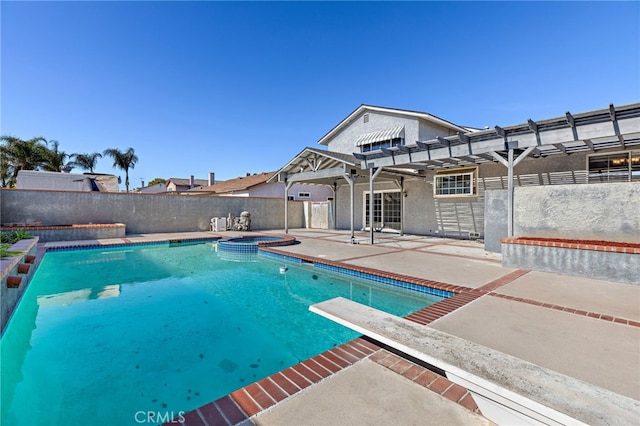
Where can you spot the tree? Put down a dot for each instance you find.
(18, 154)
(123, 160)
(156, 180)
(86, 161)
(6, 169)
(54, 158)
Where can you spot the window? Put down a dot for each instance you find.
(304, 195)
(365, 119)
(455, 183)
(614, 167)
(387, 210)
(381, 144)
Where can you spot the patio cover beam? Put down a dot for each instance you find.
(317, 175)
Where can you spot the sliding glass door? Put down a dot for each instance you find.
(387, 210)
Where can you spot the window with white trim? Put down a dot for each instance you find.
(381, 144)
(614, 167)
(455, 183)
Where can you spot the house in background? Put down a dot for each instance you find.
(255, 185)
(396, 170)
(59, 181)
(158, 188)
(179, 185)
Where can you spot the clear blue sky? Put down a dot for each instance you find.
(235, 87)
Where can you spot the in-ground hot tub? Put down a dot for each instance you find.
(250, 244)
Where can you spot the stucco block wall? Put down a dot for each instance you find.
(604, 265)
(603, 211)
(77, 233)
(276, 190)
(142, 213)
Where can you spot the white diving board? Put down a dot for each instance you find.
(507, 389)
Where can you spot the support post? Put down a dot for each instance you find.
(401, 205)
(287, 186)
(510, 163)
(352, 210)
(334, 203)
(510, 193)
(373, 173)
(350, 176)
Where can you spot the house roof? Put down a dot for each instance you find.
(364, 108)
(59, 181)
(238, 184)
(187, 182)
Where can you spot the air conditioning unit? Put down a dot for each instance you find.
(218, 224)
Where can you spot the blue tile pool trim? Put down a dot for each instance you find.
(390, 281)
(250, 244)
(133, 244)
(377, 278)
(280, 256)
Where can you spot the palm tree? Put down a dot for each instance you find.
(54, 159)
(6, 169)
(21, 154)
(123, 160)
(85, 161)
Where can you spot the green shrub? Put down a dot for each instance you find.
(5, 253)
(14, 236)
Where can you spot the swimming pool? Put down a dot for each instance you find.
(101, 335)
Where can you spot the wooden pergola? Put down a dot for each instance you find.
(613, 127)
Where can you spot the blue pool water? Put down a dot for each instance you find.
(101, 335)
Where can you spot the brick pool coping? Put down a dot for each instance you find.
(609, 246)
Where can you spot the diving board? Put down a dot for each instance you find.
(507, 389)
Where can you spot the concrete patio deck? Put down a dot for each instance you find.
(584, 328)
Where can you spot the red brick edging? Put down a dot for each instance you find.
(33, 227)
(568, 309)
(610, 246)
